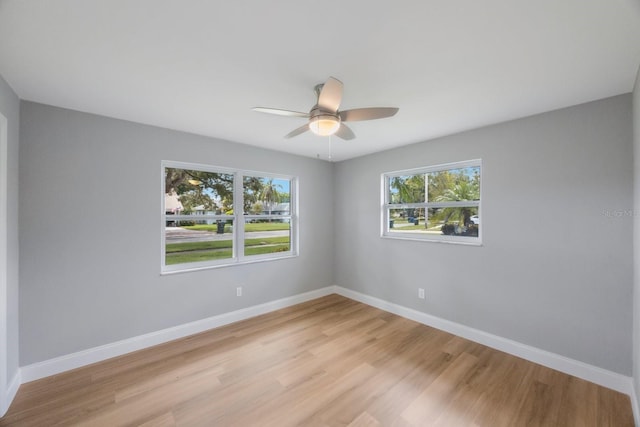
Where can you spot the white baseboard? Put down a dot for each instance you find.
(10, 394)
(634, 404)
(97, 354)
(560, 363)
(13, 387)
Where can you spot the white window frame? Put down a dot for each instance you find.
(238, 257)
(386, 206)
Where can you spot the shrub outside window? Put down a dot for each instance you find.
(215, 216)
(435, 203)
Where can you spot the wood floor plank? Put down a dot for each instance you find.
(327, 362)
(364, 420)
(435, 399)
(164, 420)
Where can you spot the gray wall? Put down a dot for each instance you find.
(555, 271)
(10, 108)
(90, 232)
(636, 235)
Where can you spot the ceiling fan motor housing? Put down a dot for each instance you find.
(322, 122)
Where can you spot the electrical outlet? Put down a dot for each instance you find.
(421, 293)
(239, 291)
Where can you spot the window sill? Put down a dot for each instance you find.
(231, 264)
(462, 241)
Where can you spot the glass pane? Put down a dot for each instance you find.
(266, 196)
(463, 221)
(454, 184)
(186, 241)
(408, 220)
(406, 189)
(193, 192)
(266, 236)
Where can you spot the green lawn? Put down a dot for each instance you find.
(419, 227)
(197, 246)
(258, 250)
(179, 253)
(184, 257)
(412, 227)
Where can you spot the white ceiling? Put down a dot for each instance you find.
(201, 65)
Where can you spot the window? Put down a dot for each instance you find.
(435, 203)
(215, 216)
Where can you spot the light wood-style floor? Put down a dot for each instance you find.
(327, 362)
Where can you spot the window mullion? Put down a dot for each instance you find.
(407, 205)
(455, 204)
(238, 212)
(197, 217)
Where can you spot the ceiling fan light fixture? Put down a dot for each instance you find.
(325, 118)
(324, 124)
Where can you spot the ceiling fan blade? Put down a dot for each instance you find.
(280, 112)
(367, 114)
(298, 131)
(345, 132)
(331, 95)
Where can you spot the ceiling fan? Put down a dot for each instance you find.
(325, 118)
